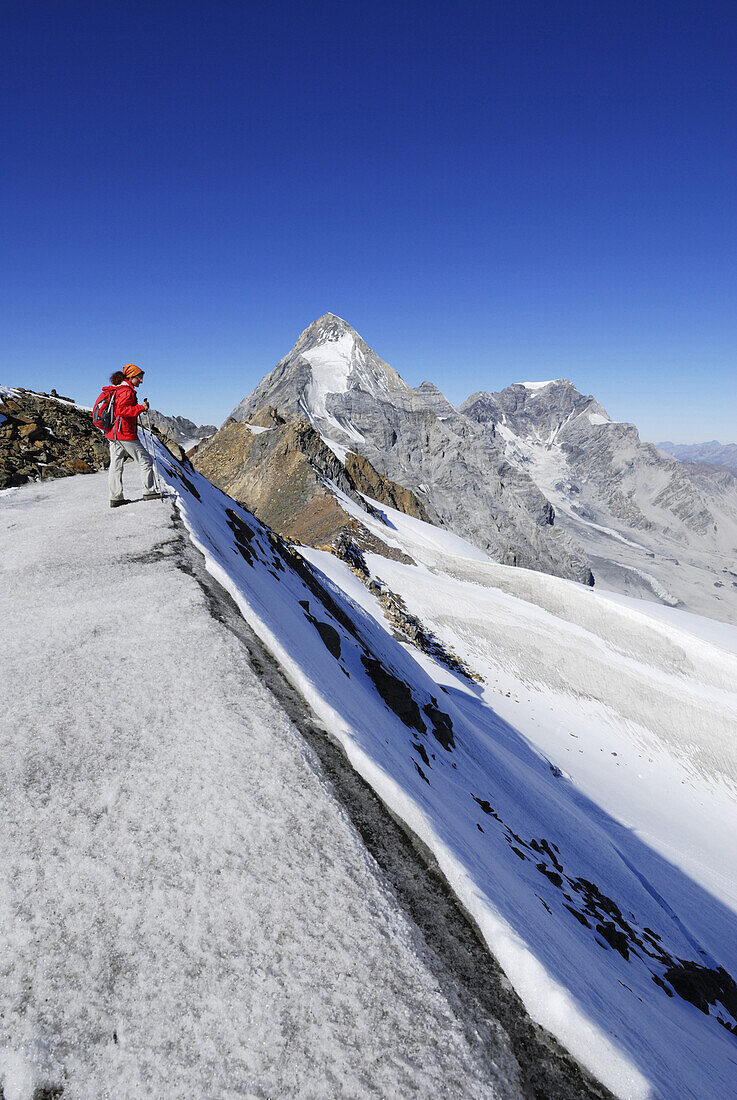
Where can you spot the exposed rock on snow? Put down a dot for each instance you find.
(368, 480)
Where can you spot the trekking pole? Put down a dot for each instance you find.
(152, 446)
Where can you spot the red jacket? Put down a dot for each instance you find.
(127, 411)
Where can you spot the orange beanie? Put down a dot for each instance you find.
(130, 370)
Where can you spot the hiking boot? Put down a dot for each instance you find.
(153, 496)
(118, 503)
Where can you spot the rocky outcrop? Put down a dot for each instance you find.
(46, 436)
(283, 471)
(368, 480)
(652, 526)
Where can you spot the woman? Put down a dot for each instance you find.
(123, 436)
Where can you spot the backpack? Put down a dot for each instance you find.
(103, 412)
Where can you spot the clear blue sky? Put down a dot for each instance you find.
(489, 192)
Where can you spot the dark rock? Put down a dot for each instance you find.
(44, 438)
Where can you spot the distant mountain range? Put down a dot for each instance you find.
(537, 475)
(719, 454)
(184, 432)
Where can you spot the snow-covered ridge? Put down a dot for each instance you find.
(539, 385)
(599, 932)
(185, 908)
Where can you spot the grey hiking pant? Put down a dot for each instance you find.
(119, 448)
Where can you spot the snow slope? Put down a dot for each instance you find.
(151, 821)
(185, 910)
(640, 692)
(620, 951)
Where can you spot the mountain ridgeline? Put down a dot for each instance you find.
(713, 452)
(415, 438)
(537, 475)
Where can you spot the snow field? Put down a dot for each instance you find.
(354, 718)
(185, 909)
(604, 738)
(629, 699)
(543, 868)
(331, 365)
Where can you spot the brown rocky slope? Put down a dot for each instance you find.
(280, 469)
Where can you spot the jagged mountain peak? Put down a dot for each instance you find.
(535, 406)
(415, 437)
(329, 360)
(554, 389)
(324, 330)
(535, 387)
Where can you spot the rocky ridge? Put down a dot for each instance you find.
(184, 432)
(46, 436)
(652, 526)
(282, 470)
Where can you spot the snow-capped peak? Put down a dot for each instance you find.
(326, 329)
(328, 360)
(540, 385)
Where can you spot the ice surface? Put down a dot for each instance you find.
(184, 908)
(629, 668)
(420, 533)
(331, 365)
(719, 634)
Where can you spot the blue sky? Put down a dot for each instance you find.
(488, 192)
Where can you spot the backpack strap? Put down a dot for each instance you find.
(115, 421)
